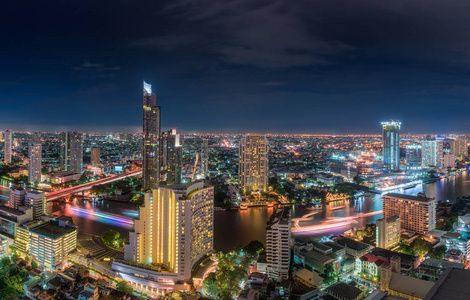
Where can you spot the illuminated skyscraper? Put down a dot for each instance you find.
(175, 228)
(459, 148)
(63, 151)
(95, 155)
(391, 145)
(151, 140)
(432, 154)
(172, 156)
(388, 232)
(35, 159)
(7, 147)
(17, 197)
(413, 157)
(76, 152)
(205, 158)
(253, 163)
(71, 151)
(37, 202)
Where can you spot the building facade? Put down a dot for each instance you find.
(417, 213)
(459, 147)
(413, 158)
(71, 152)
(278, 244)
(7, 137)
(51, 242)
(449, 160)
(253, 163)
(175, 228)
(205, 158)
(37, 202)
(151, 139)
(388, 232)
(172, 153)
(95, 155)
(391, 145)
(35, 162)
(432, 152)
(17, 197)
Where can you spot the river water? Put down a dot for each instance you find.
(233, 228)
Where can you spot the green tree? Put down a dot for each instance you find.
(123, 287)
(439, 252)
(112, 238)
(34, 264)
(253, 248)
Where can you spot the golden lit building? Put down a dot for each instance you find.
(253, 163)
(417, 213)
(459, 148)
(175, 228)
(388, 232)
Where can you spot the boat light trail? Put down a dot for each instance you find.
(319, 227)
(103, 215)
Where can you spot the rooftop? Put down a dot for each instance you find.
(453, 284)
(343, 290)
(352, 244)
(410, 286)
(51, 229)
(440, 263)
(408, 197)
(10, 210)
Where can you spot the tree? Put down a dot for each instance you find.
(439, 252)
(112, 238)
(123, 287)
(228, 277)
(34, 264)
(253, 248)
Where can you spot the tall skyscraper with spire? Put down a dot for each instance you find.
(151, 139)
(391, 145)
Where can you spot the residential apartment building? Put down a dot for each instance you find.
(253, 163)
(388, 232)
(417, 213)
(459, 147)
(278, 244)
(51, 242)
(35, 162)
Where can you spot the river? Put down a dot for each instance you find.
(233, 228)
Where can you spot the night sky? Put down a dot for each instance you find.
(305, 66)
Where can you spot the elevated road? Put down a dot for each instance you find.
(87, 186)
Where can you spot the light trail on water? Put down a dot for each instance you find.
(103, 215)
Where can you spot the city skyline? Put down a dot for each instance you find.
(207, 68)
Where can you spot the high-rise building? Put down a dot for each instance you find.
(205, 158)
(449, 160)
(151, 140)
(417, 213)
(413, 157)
(71, 151)
(432, 154)
(253, 163)
(51, 242)
(388, 232)
(7, 147)
(17, 197)
(278, 244)
(37, 202)
(175, 228)
(76, 152)
(391, 145)
(459, 147)
(172, 156)
(95, 155)
(64, 151)
(35, 162)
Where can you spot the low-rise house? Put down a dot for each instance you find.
(308, 278)
(432, 268)
(354, 249)
(370, 264)
(343, 291)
